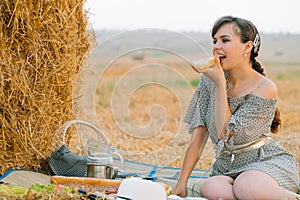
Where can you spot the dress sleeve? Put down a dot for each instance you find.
(197, 109)
(252, 119)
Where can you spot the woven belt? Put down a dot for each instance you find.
(236, 149)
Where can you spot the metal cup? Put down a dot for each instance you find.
(101, 171)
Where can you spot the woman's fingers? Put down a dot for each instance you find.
(217, 59)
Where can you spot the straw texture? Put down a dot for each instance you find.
(44, 44)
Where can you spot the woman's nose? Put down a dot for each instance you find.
(216, 46)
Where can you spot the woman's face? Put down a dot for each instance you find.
(228, 45)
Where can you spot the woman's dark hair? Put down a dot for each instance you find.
(276, 123)
(248, 32)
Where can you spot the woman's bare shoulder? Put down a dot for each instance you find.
(266, 88)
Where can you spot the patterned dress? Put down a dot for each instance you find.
(251, 118)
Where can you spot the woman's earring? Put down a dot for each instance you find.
(245, 55)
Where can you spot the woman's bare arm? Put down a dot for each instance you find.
(194, 150)
(222, 110)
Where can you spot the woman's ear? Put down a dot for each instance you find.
(248, 47)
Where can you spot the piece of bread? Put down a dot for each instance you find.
(168, 189)
(204, 63)
(87, 184)
(82, 180)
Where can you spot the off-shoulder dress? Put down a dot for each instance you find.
(251, 119)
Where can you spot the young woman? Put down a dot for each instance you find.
(235, 105)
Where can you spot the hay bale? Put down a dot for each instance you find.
(44, 43)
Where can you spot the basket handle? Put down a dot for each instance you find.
(67, 124)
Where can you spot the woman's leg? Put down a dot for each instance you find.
(254, 184)
(218, 187)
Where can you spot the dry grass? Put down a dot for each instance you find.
(44, 43)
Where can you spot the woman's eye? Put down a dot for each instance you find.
(223, 40)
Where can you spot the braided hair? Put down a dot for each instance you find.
(248, 32)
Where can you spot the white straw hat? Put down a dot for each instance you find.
(140, 189)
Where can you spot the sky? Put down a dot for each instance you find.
(269, 16)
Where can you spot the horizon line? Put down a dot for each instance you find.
(190, 31)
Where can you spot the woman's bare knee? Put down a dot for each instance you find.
(252, 184)
(217, 187)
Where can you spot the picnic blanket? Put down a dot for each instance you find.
(24, 178)
(163, 174)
